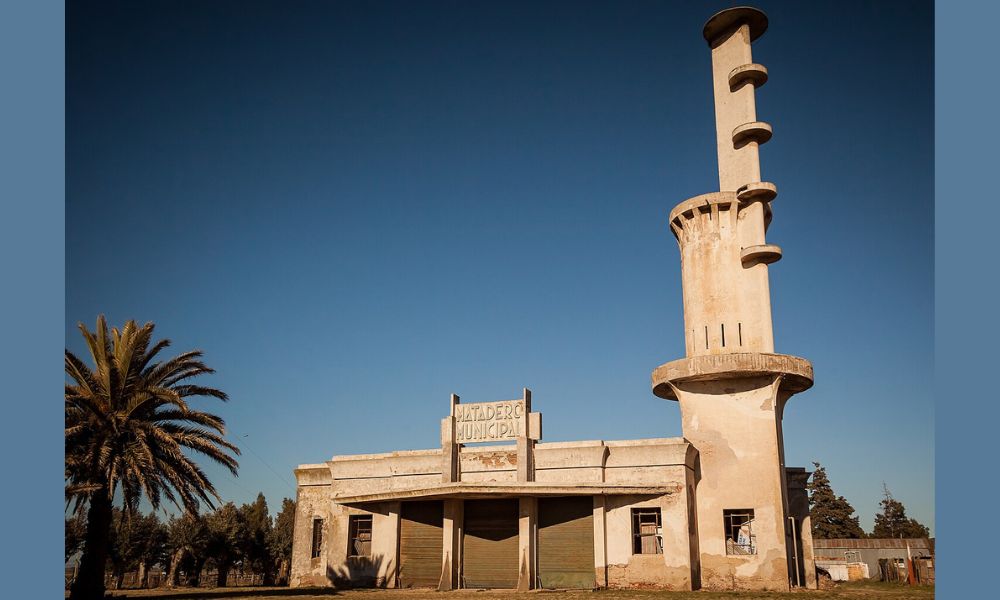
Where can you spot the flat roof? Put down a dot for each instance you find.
(870, 543)
(494, 490)
(508, 448)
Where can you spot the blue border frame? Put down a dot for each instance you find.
(32, 188)
(966, 304)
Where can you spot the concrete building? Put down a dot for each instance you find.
(716, 509)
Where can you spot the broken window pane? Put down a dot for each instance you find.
(739, 531)
(647, 531)
(360, 532)
(317, 537)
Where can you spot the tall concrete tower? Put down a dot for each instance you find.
(732, 386)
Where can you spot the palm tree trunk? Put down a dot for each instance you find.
(222, 576)
(143, 577)
(194, 578)
(89, 583)
(173, 578)
(283, 572)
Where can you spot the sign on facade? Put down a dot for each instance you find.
(489, 421)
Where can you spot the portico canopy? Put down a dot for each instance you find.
(468, 490)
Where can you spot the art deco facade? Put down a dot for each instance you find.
(716, 509)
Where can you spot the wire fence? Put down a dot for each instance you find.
(157, 577)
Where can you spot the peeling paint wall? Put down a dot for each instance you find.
(488, 464)
(733, 423)
(377, 570)
(312, 501)
(671, 570)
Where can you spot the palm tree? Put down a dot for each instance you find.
(129, 429)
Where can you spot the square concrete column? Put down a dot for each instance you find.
(527, 527)
(450, 447)
(677, 514)
(600, 542)
(451, 557)
(800, 528)
(530, 427)
(808, 558)
(525, 451)
(385, 543)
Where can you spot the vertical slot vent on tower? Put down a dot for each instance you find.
(739, 331)
(723, 335)
(706, 337)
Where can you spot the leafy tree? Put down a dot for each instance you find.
(892, 522)
(150, 545)
(832, 516)
(187, 543)
(118, 544)
(127, 423)
(257, 532)
(76, 527)
(137, 542)
(281, 537)
(226, 535)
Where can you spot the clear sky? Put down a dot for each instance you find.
(358, 208)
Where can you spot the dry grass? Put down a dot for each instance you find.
(845, 591)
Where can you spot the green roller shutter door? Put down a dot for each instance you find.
(489, 554)
(420, 544)
(566, 542)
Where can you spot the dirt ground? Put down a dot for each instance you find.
(844, 591)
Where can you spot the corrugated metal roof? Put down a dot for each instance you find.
(870, 544)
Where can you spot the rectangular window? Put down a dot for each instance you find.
(647, 531)
(739, 531)
(359, 542)
(317, 541)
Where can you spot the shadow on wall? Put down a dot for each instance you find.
(360, 571)
(614, 502)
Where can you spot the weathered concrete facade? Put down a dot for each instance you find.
(731, 386)
(716, 509)
(614, 477)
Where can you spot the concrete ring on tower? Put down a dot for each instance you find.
(758, 131)
(753, 74)
(762, 254)
(703, 202)
(720, 25)
(796, 373)
(758, 191)
(691, 207)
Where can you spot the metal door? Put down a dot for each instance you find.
(566, 542)
(420, 544)
(489, 555)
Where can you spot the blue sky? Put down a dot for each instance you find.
(356, 209)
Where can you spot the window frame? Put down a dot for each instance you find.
(734, 520)
(637, 514)
(316, 550)
(355, 533)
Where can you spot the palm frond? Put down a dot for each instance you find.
(129, 425)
